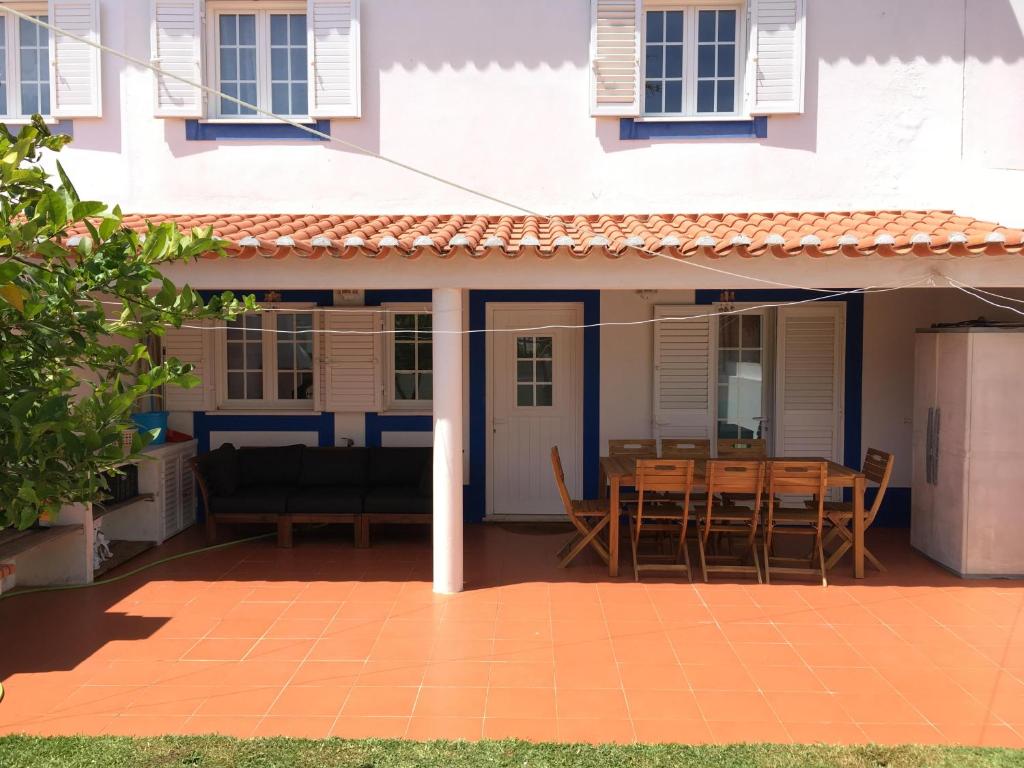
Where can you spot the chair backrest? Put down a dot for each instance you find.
(556, 466)
(685, 448)
(799, 478)
(645, 448)
(877, 469)
(735, 476)
(664, 475)
(741, 448)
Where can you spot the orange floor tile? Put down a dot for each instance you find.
(324, 639)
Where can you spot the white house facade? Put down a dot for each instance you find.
(518, 225)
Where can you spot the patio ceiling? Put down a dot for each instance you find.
(781, 234)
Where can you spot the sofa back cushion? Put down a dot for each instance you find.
(399, 467)
(219, 469)
(278, 465)
(333, 466)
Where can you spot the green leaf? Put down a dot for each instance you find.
(14, 296)
(10, 270)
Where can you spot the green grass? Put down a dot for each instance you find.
(222, 752)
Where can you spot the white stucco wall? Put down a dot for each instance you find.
(906, 106)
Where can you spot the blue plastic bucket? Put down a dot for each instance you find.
(154, 420)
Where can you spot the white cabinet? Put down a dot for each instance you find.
(968, 451)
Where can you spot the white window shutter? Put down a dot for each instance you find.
(177, 45)
(75, 65)
(684, 371)
(351, 364)
(777, 51)
(615, 57)
(197, 345)
(809, 380)
(334, 71)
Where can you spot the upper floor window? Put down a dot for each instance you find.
(24, 65)
(261, 58)
(691, 62)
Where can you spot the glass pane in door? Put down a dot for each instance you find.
(740, 381)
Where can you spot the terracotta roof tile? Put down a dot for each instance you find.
(783, 233)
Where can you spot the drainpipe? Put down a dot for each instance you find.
(447, 341)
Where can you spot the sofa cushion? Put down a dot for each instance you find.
(219, 469)
(253, 499)
(397, 501)
(398, 467)
(278, 465)
(333, 467)
(326, 500)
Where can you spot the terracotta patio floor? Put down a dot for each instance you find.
(326, 640)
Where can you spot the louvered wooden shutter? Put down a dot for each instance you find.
(615, 57)
(177, 45)
(684, 372)
(809, 380)
(75, 65)
(777, 44)
(196, 345)
(334, 71)
(351, 363)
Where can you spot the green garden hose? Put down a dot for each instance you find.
(147, 566)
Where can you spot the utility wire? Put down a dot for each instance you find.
(369, 152)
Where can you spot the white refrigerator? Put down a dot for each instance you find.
(967, 508)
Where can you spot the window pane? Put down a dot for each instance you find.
(254, 386)
(426, 357)
(300, 99)
(404, 323)
(524, 371)
(298, 64)
(279, 98)
(279, 63)
(727, 26)
(405, 386)
(253, 356)
(285, 355)
(236, 386)
(654, 60)
(298, 28)
(652, 97)
(705, 61)
(728, 331)
(285, 322)
(405, 357)
(524, 395)
(29, 99)
(674, 96)
(229, 107)
(673, 61)
(228, 27)
(426, 386)
(27, 33)
(726, 95)
(278, 29)
(305, 386)
(544, 346)
(29, 64)
(674, 27)
(655, 26)
(286, 386)
(751, 331)
(228, 64)
(544, 371)
(247, 29)
(706, 96)
(726, 61)
(304, 355)
(247, 93)
(543, 394)
(44, 99)
(524, 347)
(706, 27)
(236, 357)
(247, 64)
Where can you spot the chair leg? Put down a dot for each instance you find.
(767, 562)
(873, 560)
(584, 541)
(703, 559)
(821, 559)
(757, 565)
(568, 545)
(686, 560)
(284, 532)
(633, 536)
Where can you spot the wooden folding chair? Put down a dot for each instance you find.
(663, 508)
(795, 478)
(741, 448)
(877, 469)
(642, 448)
(588, 516)
(685, 448)
(725, 520)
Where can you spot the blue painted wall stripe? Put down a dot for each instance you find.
(633, 129)
(197, 130)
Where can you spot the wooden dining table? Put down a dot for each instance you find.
(619, 471)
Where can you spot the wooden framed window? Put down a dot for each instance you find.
(259, 54)
(24, 63)
(693, 60)
(270, 359)
(410, 357)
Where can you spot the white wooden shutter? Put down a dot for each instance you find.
(615, 57)
(809, 380)
(777, 44)
(75, 65)
(351, 362)
(177, 45)
(684, 372)
(334, 71)
(196, 345)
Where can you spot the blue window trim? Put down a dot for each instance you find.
(375, 425)
(475, 497)
(197, 130)
(632, 129)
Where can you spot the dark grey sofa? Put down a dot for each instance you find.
(298, 484)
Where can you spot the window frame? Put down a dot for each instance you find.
(264, 98)
(11, 110)
(690, 10)
(270, 370)
(391, 403)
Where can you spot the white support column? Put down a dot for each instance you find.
(447, 310)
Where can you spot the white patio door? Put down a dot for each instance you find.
(535, 401)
